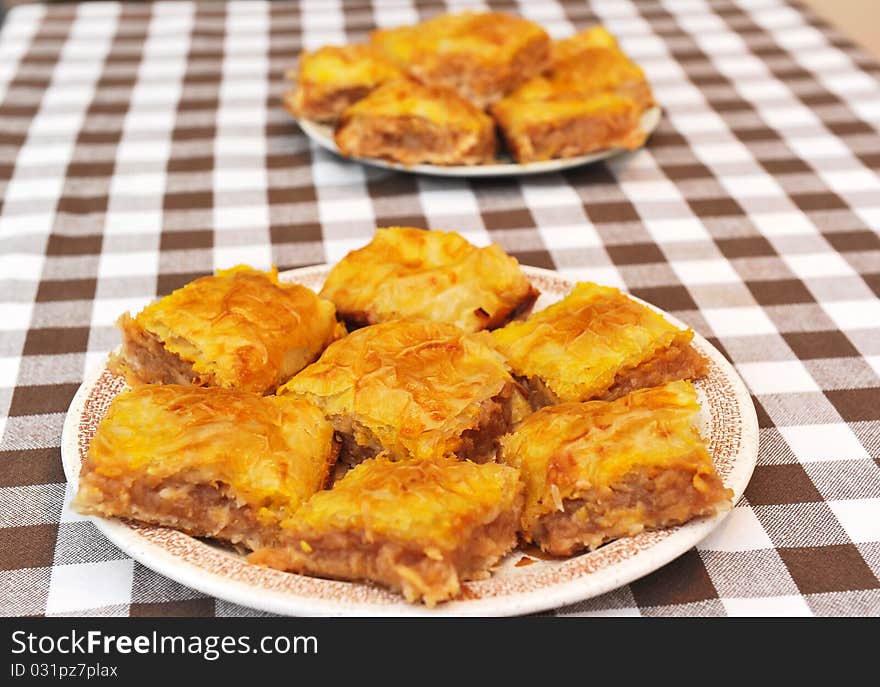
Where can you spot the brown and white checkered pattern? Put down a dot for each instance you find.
(144, 145)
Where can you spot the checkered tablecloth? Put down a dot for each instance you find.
(144, 145)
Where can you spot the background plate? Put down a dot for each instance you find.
(322, 134)
(728, 422)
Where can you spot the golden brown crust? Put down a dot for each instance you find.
(411, 123)
(596, 343)
(414, 389)
(419, 527)
(566, 124)
(481, 56)
(332, 78)
(211, 462)
(591, 98)
(592, 62)
(240, 329)
(600, 470)
(406, 272)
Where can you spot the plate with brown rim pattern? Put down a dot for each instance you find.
(522, 583)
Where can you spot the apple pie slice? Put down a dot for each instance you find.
(601, 470)
(596, 343)
(420, 527)
(211, 462)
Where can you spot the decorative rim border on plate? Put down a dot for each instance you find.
(729, 422)
(322, 134)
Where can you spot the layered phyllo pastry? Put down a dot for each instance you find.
(418, 527)
(600, 470)
(330, 79)
(240, 329)
(217, 463)
(480, 55)
(543, 121)
(411, 123)
(433, 275)
(414, 389)
(596, 343)
(591, 98)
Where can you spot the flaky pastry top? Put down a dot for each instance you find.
(490, 38)
(431, 503)
(565, 450)
(578, 345)
(341, 66)
(415, 384)
(411, 273)
(408, 98)
(243, 327)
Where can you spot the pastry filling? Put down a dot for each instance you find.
(197, 507)
(426, 574)
(144, 359)
(413, 140)
(478, 444)
(644, 499)
(577, 136)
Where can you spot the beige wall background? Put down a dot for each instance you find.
(859, 19)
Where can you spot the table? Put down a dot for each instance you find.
(144, 145)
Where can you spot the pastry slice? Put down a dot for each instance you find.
(330, 79)
(596, 343)
(212, 462)
(544, 121)
(592, 62)
(480, 55)
(240, 329)
(415, 389)
(434, 275)
(418, 527)
(601, 470)
(410, 123)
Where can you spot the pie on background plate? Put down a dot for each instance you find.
(523, 582)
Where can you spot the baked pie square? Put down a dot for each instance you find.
(411, 123)
(480, 55)
(212, 462)
(600, 470)
(420, 527)
(331, 78)
(239, 329)
(596, 343)
(413, 389)
(412, 273)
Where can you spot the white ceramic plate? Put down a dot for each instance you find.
(322, 134)
(728, 422)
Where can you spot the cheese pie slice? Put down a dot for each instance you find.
(415, 389)
(596, 343)
(418, 527)
(434, 275)
(211, 462)
(239, 329)
(597, 471)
